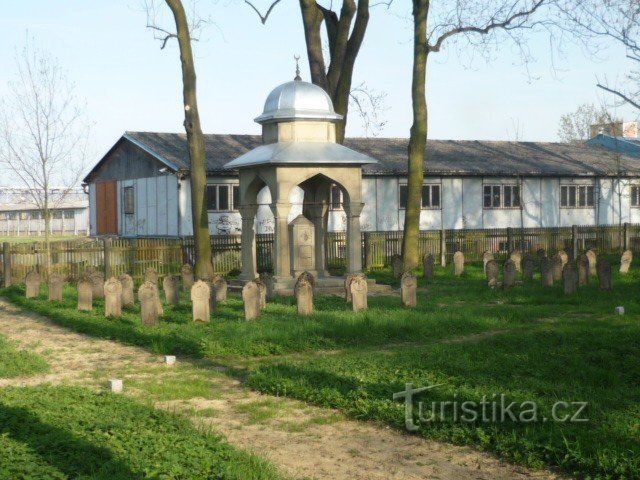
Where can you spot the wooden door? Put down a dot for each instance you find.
(106, 208)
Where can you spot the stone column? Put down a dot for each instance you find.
(281, 253)
(248, 246)
(354, 241)
(318, 213)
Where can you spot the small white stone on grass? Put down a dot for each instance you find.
(115, 385)
(619, 310)
(169, 359)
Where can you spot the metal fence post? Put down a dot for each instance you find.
(6, 263)
(443, 247)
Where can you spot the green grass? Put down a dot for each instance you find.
(16, 363)
(528, 343)
(70, 432)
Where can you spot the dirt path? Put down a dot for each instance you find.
(303, 441)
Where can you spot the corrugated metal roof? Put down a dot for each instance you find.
(443, 157)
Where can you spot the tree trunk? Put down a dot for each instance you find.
(418, 137)
(195, 141)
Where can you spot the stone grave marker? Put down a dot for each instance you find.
(112, 298)
(408, 288)
(428, 262)
(200, 295)
(186, 272)
(149, 302)
(569, 279)
(128, 298)
(251, 299)
(604, 274)
(458, 263)
(492, 271)
(171, 289)
(55, 287)
(593, 262)
(359, 291)
(85, 294)
(583, 270)
(509, 279)
(304, 296)
(625, 261)
(528, 267)
(32, 282)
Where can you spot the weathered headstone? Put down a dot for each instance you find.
(219, 288)
(509, 279)
(128, 298)
(200, 294)
(267, 279)
(583, 270)
(359, 291)
(625, 261)
(186, 272)
(528, 267)
(487, 256)
(304, 296)
(593, 262)
(263, 293)
(251, 299)
(397, 265)
(408, 288)
(569, 279)
(492, 271)
(556, 267)
(55, 287)
(563, 256)
(149, 302)
(171, 289)
(97, 284)
(458, 263)
(428, 262)
(112, 298)
(546, 273)
(604, 274)
(85, 294)
(516, 258)
(151, 275)
(32, 282)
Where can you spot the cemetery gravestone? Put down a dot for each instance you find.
(85, 295)
(593, 262)
(546, 274)
(604, 274)
(55, 287)
(251, 299)
(509, 274)
(148, 296)
(492, 272)
(528, 266)
(516, 258)
(583, 270)
(200, 295)
(408, 288)
(32, 282)
(186, 272)
(171, 291)
(359, 291)
(428, 262)
(458, 263)
(625, 261)
(128, 299)
(113, 298)
(569, 279)
(304, 296)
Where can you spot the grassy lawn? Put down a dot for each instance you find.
(16, 363)
(70, 432)
(529, 343)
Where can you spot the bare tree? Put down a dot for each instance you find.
(43, 133)
(195, 138)
(575, 127)
(470, 24)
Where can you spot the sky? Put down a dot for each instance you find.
(129, 83)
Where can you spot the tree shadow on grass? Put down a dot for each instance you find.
(59, 448)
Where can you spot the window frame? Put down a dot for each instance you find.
(573, 195)
(496, 195)
(430, 185)
(233, 189)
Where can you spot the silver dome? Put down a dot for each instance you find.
(298, 100)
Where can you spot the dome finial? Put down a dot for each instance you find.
(297, 59)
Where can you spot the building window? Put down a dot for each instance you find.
(337, 198)
(128, 201)
(635, 195)
(222, 197)
(577, 196)
(430, 196)
(501, 196)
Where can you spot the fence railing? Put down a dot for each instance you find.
(134, 255)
